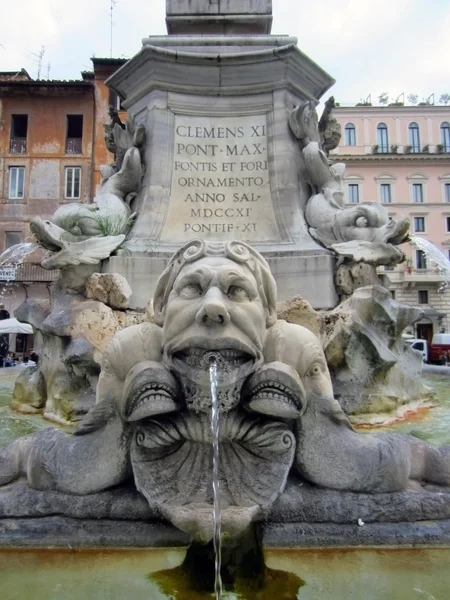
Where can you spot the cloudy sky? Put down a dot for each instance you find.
(368, 46)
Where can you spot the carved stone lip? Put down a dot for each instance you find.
(149, 390)
(43, 231)
(209, 344)
(235, 359)
(275, 390)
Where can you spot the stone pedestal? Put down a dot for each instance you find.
(221, 162)
(219, 16)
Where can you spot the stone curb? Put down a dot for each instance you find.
(64, 532)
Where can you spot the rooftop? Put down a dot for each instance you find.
(21, 75)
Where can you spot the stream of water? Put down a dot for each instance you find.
(15, 255)
(435, 256)
(215, 423)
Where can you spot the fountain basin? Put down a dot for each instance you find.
(118, 573)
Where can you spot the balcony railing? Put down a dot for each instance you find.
(18, 146)
(412, 275)
(74, 146)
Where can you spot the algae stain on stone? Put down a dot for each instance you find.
(177, 584)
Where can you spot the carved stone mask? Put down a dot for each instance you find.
(215, 301)
(215, 312)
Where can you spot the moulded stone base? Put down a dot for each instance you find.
(310, 275)
(304, 516)
(64, 532)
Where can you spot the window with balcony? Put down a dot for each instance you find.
(19, 131)
(419, 224)
(16, 183)
(414, 137)
(417, 193)
(421, 260)
(382, 138)
(385, 193)
(353, 193)
(74, 134)
(422, 296)
(445, 136)
(350, 135)
(447, 223)
(73, 183)
(12, 238)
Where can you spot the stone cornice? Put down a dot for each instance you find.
(392, 158)
(213, 74)
(393, 111)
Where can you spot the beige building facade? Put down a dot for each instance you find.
(400, 156)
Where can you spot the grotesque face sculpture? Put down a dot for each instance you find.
(218, 308)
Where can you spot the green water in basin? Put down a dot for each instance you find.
(13, 424)
(327, 574)
(431, 425)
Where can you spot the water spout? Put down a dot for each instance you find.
(215, 423)
(435, 256)
(14, 255)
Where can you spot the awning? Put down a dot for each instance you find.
(14, 326)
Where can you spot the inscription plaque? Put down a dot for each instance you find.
(220, 185)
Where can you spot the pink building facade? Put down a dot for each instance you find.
(400, 156)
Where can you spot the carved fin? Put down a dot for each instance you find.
(96, 418)
(87, 252)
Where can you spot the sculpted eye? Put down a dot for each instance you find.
(191, 290)
(237, 293)
(314, 371)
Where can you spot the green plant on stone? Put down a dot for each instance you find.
(113, 224)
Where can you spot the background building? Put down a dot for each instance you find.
(51, 149)
(400, 156)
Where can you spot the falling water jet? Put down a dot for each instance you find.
(435, 256)
(215, 424)
(14, 255)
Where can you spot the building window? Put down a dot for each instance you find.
(446, 192)
(73, 183)
(417, 192)
(16, 182)
(423, 296)
(385, 193)
(445, 136)
(393, 294)
(12, 238)
(447, 222)
(382, 138)
(115, 100)
(414, 137)
(350, 135)
(74, 137)
(419, 224)
(353, 193)
(19, 130)
(421, 260)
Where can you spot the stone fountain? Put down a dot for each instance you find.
(223, 141)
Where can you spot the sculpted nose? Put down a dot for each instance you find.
(213, 309)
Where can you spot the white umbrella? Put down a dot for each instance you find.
(14, 326)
